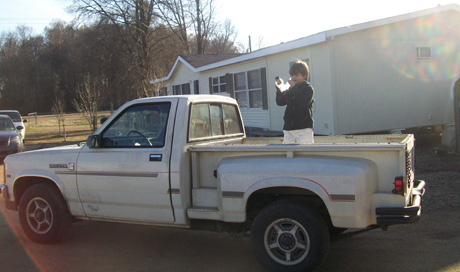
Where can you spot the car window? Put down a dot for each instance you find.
(208, 120)
(15, 116)
(6, 125)
(141, 126)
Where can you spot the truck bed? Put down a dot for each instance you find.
(390, 153)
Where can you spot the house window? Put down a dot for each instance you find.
(176, 89)
(219, 85)
(424, 52)
(163, 91)
(181, 89)
(248, 89)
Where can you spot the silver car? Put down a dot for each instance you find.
(17, 120)
(10, 137)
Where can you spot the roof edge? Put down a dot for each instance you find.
(306, 41)
(171, 72)
(390, 20)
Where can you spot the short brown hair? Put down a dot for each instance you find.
(299, 67)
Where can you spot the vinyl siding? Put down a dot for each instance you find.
(381, 84)
(183, 75)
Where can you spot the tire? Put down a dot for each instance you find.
(289, 236)
(43, 214)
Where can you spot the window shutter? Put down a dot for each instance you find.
(229, 81)
(196, 87)
(263, 78)
(210, 85)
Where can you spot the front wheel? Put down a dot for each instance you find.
(43, 214)
(288, 236)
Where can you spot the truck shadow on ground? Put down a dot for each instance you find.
(426, 246)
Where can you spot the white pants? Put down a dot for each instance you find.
(298, 136)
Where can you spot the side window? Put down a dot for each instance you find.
(208, 120)
(142, 126)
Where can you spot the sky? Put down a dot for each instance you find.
(268, 22)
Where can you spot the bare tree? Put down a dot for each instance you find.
(20, 69)
(223, 40)
(261, 42)
(174, 13)
(190, 16)
(132, 19)
(203, 23)
(58, 110)
(89, 95)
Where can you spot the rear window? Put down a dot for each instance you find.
(214, 120)
(15, 116)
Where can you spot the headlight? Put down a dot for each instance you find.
(14, 140)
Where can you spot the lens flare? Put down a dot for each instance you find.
(399, 42)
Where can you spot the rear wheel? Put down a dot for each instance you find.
(288, 236)
(43, 214)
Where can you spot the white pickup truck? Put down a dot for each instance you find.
(175, 160)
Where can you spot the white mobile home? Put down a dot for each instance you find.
(392, 73)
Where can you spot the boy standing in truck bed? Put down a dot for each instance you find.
(298, 99)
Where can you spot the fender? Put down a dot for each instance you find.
(336, 180)
(66, 184)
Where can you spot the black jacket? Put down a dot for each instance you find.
(299, 103)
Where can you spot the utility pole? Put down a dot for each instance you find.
(250, 46)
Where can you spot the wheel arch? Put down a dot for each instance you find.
(23, 183)
(263, 197)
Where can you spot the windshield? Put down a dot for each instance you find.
(13, 115)
(6, 125)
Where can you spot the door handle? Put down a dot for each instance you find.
(155, 157)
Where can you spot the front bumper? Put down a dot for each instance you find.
(405, 215)
(10, 205)
(3, 191)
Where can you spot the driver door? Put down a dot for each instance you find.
(127, 177)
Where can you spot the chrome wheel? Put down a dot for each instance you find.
(43, 214)
(287, 241)
(39, 215)
(288, 235)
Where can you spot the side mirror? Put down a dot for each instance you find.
(19, 127)
(93, 141)
(103, 119)
(24, 120)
